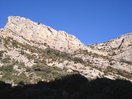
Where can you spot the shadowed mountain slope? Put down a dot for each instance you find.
(69, 87)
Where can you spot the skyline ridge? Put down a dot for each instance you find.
(92, 21)
(63, 30)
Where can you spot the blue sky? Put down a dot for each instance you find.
(92, 21)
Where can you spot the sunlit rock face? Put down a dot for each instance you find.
(43, 35)
(32, 52)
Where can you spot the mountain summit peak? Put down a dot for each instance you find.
(42, 34)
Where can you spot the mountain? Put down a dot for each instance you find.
(37, 34)
(32, 52)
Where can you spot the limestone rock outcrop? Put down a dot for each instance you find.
(31, 50)
(40, 34)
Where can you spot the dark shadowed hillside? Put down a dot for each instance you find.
(69, 87)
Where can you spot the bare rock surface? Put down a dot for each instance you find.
(25, 44)
(41, 34)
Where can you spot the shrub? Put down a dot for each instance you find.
(125, 61)
(6, 60)
(1, 54)
(7, 68)
(21, 78)
(41, 67)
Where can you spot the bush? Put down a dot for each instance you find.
(7, 68)
(125, 61)
(21, 78)
(41, 67)
(6, 60)
(1, 54)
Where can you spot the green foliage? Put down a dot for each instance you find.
(1, 54)
(7, 72)
(47, 72)
(7, 68)
(14, 44)
(78, 60)
(6, 60)
(56, 53)
(125, 61)
(119, 72)
(21, 78)
(41, 67)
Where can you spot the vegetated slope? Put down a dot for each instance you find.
(32, 52)
(73, 86)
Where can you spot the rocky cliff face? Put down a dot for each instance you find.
(119, 48)
(31, 52)
(119, 53)
(41, 35)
